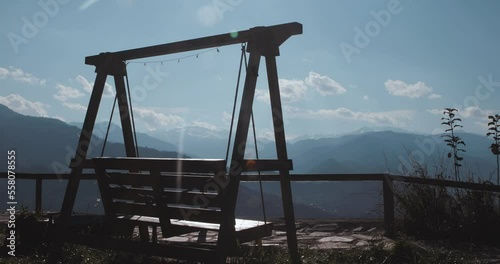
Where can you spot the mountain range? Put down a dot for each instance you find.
(43, 142)
(46, 145)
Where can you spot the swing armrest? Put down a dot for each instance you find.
(266, 165)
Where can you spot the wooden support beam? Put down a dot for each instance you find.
(227, 236)
(128, 133)
(161, 204)
(388, 193)
(154, 238)
(242, 128)
(74, 179)
(38, 195)
(281, 150)
(281, 32)
(126, 120)
(104, 190)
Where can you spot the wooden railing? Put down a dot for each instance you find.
(387, 181)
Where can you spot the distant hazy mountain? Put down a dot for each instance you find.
(196, 141)
(385, 152)
(202, 142)
(45, 145)
(360, 130)
(373, 152)
(42, 142)
(116, 135)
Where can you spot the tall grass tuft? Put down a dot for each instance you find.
(436, 212)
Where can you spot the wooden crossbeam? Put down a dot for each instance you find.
(280, 32)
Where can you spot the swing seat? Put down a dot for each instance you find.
(178, 195)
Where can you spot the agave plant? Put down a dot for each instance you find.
(454, 142)
(494, 132)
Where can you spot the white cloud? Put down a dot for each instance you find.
(4, 73)
(290, 91)
(74, 106)
(19, 75)
(436, 111)
(226, 117)
(307, 60)
(262, 95)
(323, 84)
(207, 16)
(65, 92)
(23, 106)
(296, 90)
(204, 125)
(475, 119)
(88, 86)
(366, 98)
(394, 118)
(154, 120)
(108, 90)
(475, 112)
(434, 96)
(417, 90)
(87, 4)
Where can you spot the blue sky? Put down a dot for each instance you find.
(371, 63)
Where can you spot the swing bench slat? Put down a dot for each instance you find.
(246, 230)
(164, 164)
(172, 180)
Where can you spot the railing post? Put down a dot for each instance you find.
(388, 192)
(38, 195)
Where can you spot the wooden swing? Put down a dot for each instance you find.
(181, 195)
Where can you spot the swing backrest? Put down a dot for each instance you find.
(184, 189)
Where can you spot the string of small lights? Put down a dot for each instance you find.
(175, 59)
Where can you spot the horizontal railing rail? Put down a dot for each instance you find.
(386, 179)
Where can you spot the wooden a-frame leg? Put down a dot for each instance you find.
(76, 171)
(227, 234)
(279, 136)
(128, 134)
